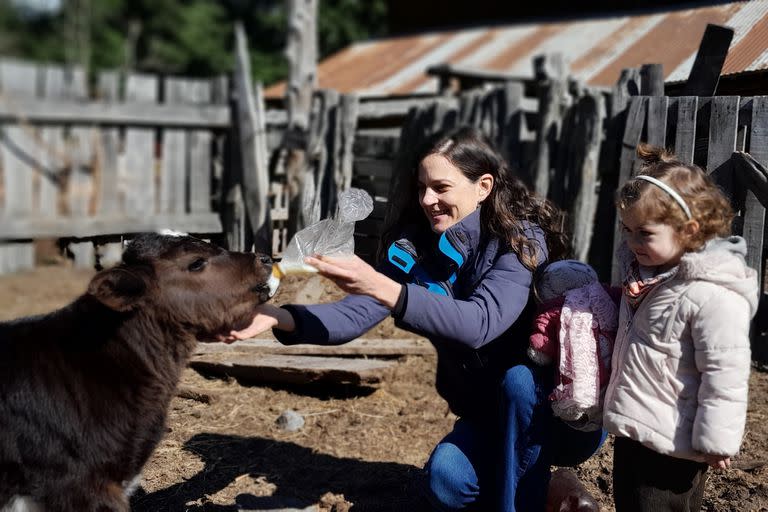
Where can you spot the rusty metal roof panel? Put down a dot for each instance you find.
(596, 49)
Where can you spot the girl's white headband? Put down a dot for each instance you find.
(669, 190)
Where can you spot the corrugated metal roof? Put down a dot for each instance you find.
(597, 49)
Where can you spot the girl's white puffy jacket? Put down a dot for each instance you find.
(680, 366)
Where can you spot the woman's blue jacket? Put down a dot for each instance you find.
(466, 292)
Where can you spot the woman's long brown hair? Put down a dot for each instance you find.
(506, 211)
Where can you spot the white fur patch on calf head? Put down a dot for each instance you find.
(171, 232)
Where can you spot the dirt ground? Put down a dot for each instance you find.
(359, 448)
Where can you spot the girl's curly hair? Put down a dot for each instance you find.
(709, 207)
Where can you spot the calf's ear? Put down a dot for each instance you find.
(119, 288)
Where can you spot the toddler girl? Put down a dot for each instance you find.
(677, 396)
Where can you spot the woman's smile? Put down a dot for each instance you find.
(445, 194)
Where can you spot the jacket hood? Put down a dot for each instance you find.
(721, 261)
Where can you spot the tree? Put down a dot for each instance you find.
(187, 37)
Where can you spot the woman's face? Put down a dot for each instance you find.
(446, 195)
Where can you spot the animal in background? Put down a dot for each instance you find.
(84, 390)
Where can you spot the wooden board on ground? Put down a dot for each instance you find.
(358, 347)
(290, 369)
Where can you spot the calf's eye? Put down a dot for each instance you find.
(197, 265)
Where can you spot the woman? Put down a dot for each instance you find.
(458, 270)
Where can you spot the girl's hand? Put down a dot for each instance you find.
(353, 275)
(267, 317)
(718, 461)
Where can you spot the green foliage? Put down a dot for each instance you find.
(185, 37)
(341, 22)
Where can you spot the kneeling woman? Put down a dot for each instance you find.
(458, 270)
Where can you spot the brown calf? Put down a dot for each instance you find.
(84, 390)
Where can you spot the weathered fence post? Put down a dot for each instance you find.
(633, 130)
(550, 71)
(18, 145)
(301, 52)
(628, 85)
(651, 80)
(80, 184)
(511, 124)
(350, 105)
(723, 125)
(583, 180)
(107, 158)
(251, 121)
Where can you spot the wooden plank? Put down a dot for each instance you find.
(107, 168)
(20, 154)
(601, 253)
(553, 103)
(108, 149)
(381, 108)
(80, 185)
(53, 156)
(358, 347)
(633, 130)
(279, 201)
(301, 51)
(752, 174)
(323, 136)
(657, 120)
(591, 115)
(291, 369)
(252, 145)
(104, 113)
(137, 177)
(174, 164)
(511, 121)
(708, 64)
(350, 105)
(723, 127)
(754, 217)
(636, 117)
(652, 80)
(376, 143)
(373, 168)
(685, 134)
(199, 146)
(20, 228)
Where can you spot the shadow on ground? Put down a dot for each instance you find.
(301, 477)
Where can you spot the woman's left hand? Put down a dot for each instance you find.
(353, 275)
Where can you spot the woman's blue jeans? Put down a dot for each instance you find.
(509, 458)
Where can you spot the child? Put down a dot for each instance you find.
(574, 329)
(677, 396)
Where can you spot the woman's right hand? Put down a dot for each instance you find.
(267, 317)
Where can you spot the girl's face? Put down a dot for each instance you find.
(446, 195)
(653, 244)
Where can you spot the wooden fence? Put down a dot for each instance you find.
(726, 135)
(137, 157)
(149, 152)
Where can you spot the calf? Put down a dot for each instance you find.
(84, 390)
